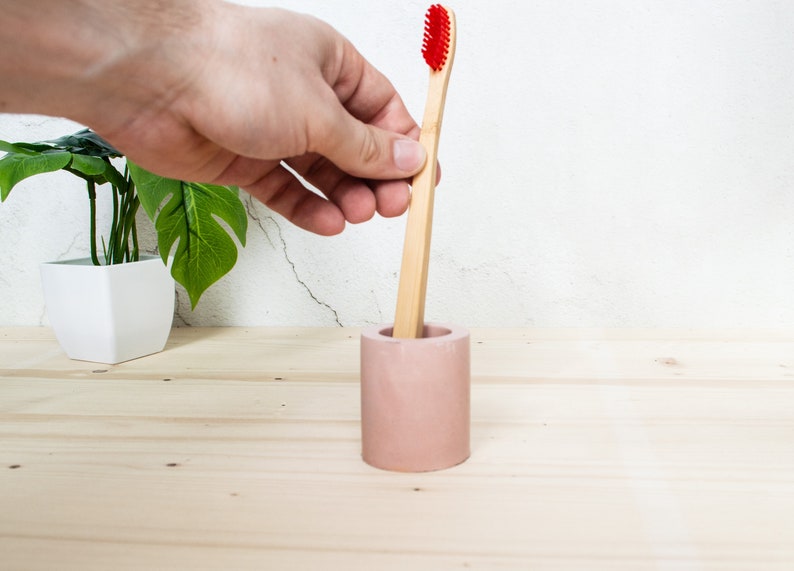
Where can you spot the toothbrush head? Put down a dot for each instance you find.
(435, 45)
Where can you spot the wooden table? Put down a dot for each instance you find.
(239, 448)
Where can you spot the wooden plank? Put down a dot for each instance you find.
(239, 448)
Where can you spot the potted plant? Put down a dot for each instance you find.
(116, 304)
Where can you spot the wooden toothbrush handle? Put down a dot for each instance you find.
(409, 317)
(410, 313)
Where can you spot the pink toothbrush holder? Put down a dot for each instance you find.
(415, 398)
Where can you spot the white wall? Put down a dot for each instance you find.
(605, 163)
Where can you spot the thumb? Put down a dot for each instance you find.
(367, 151)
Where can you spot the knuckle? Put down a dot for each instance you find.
(370, 151)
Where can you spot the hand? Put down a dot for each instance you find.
(263, 85)
(207, 91)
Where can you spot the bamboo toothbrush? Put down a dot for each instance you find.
(438, 49)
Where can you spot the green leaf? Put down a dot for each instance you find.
(85, 142)
(97, 169)
(152, 189)
(16, 167)
(187, 223)
(87, 165)
(23, 148)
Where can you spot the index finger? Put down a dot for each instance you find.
(368, 95)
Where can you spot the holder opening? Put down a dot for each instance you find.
(428, 331)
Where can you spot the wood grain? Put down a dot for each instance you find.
(238, 448)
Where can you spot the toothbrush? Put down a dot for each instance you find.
(438, 49)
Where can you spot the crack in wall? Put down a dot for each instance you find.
(283, 247)
(179, 318)
(377, 307)
(255, 217)
(62, 256)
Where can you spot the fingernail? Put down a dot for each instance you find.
(409, 156)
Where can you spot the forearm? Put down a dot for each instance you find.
(65, 58)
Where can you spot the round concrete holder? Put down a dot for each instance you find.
(415, 410)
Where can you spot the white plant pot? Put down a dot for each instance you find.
(109, 314)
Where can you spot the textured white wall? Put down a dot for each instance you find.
(610, 163)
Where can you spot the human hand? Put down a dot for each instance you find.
(229, 96)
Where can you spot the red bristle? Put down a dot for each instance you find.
(435, 44)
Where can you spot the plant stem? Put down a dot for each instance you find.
(136, 254)
(92, 206)
(113, 239)
(133, 229)
(124, 226)
(127, 229)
